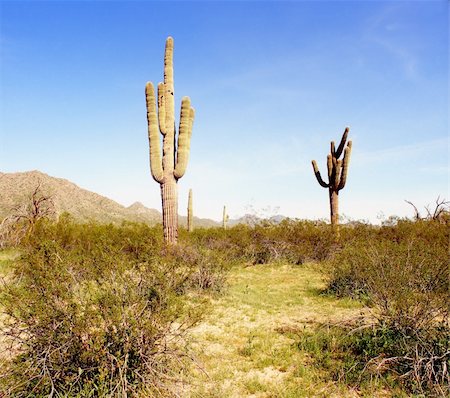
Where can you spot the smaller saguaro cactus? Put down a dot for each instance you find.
(225, 218)
(190, 213)
(337, 174)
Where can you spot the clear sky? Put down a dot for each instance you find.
(272, 83)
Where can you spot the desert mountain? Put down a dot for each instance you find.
(82, 204)
(251, 219)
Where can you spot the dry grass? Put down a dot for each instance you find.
(244, 346)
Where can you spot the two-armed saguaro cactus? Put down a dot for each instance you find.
(225, 217)
(171, 166)
(190, 213)
(337, 174)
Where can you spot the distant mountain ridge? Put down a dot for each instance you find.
(82, 204)
(250, 219)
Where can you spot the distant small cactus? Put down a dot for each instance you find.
(225, 218)
(337, 174)
(190, 213)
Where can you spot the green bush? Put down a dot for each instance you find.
(402, 271)
(289, 241)
(100, 311)
(361, 356)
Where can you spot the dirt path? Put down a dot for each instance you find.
(244, 344)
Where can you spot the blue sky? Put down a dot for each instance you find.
(272, 83)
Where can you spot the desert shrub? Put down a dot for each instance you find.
(417, 360)
(361, 356)
(206, 269)
(23, 217)
(100, 311)
(238, 244)
(308, 240)
(229, 242)
(290, 241)
(403, 271)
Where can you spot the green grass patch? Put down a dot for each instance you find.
(247, 344)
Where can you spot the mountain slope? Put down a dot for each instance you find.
(82, 204)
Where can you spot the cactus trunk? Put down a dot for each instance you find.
(334, 207)
(190, 213)
(169, 198)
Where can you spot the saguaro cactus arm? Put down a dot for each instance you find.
(342, 143)
(169, 91)
(345, 163)
(330, 167)
(153, 136)
(318, 176)
(161, 109)
(184, 137)
(169, 109)
(333, 149)
(337, 174)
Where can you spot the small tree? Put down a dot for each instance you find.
(24, 216)
(440, 212)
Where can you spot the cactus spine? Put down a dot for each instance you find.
(225, 218)
(337, 174)
(190, 214)
(171, 166)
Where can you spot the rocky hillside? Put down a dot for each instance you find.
(82, 204)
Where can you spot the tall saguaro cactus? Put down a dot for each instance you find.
(171, 166)
(190, 213)
(337, 174)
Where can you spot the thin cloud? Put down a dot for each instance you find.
(399, 153)
(406, 58)
(436, 170)
(380, 30)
